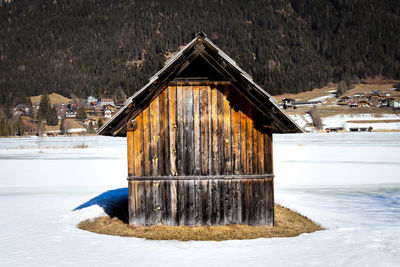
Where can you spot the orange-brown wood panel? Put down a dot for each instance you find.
(227, 137)
(243, 142)
(146, 141)
(236, 142)
(204, 131)
(155, 136)
(215, 132)
(172, 129)
(249, 149)
(129, 140)
(196, 127)
(255, 151)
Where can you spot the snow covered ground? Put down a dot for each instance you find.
(349, 183)
(345, 121)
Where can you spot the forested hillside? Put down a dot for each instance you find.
(97, 47)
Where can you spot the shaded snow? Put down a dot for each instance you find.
(349, 183)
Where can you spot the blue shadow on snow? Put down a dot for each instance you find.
(114, 203)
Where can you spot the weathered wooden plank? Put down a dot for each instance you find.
(270, 203)
(165, 202)
(243, 143)
(261, 152)
(157, 202)
(164, 133)
(204, 131)
(214, 132)
(130, 150)
(196, 132)
(138, 146)
(188, 124)
(205, 202)
(189, 202)
(198, 202)
(255, 151)
(236, 151)
(146, 141)
(181, 202)
(172, 129)
(268, 153)
(210, 135)
(180, 130)
(215, 202)
(149, 220)
(227, 137)
(174, 203)
(249, 148)
(155, 136)
(141, 205)
(220, 108)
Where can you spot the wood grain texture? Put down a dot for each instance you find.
(196, 155)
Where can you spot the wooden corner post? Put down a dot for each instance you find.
(129, 137)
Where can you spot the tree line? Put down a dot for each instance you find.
(100, 47)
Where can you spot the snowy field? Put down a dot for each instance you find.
(349, 183)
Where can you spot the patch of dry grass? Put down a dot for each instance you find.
(287, 224)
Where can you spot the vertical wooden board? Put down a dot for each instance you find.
(263, 206)
(222, 200)
(271, 153)
(268, 154)
(198, 194)
(130, 152)
(138, 146)
(189, 202)
(155, 136)
(172, 129)
(157, 202)
(243, 196)
(188, 122)
(141, 203)
(220, 108)
(180, 129)
(204, 131)
(181, 202)
(215, 132)
(236, 142)
(249, 149)
(270, 202)
(255, 151)
(205, 202)
(174, 207)
(146, 141)
(165, 202)
(164, 134)
(196, 132)
(210, 135)
(148, 203)
(227, 137)
(131, 201)
(243, 143)
(261, 152)
(214, 218)
(249, 200)
(228, 201)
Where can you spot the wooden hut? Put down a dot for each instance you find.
(199, 139)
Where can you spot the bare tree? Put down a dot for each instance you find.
(316, 117)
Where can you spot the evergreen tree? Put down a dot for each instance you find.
(81, 115)
(62, 126)
(99, 123)
(91, 128)
(44, 107)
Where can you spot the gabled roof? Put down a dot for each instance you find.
(202, 47)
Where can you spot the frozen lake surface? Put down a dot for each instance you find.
(349, 183)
